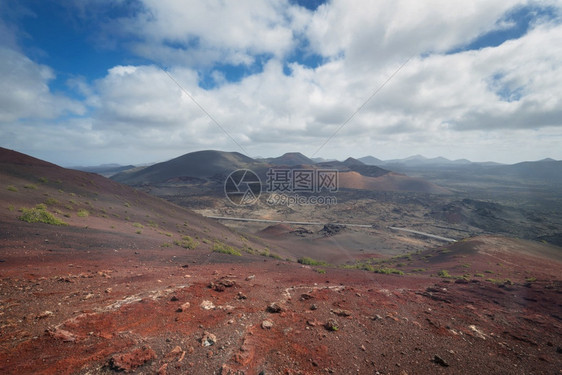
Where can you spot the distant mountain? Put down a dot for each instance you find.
(106, 170)
(352, 162)
(194, 165)
(370, 160)
(547, 170)
(291, 159)
(321, 160)
(212, 167)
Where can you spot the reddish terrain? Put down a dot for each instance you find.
(115, 290)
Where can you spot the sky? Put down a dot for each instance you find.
(89, 82)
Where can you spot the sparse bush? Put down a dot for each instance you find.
(388, 271)
(30, 186)
(39, 214)
(531, 279)
(51, 202)
(320, 271)
(187, 243)
(12, 188)
(418, 270)
(444, 274)
(138, 231)
(127, 204)
(83, 213)
(166, 244)
(311, 262)
(11, 208)
(219, 247)
(43, 180)
(138, 225)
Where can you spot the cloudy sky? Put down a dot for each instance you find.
(87, 82)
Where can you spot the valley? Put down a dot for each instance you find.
(97, 277)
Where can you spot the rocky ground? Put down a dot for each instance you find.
(130, 283)
(178, 311)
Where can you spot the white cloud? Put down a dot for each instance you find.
(25, 93)
(466, 104)
(205, 32)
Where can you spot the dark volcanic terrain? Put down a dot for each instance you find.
(129, 282)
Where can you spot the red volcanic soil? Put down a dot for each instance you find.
(95, 297)
(388, 182)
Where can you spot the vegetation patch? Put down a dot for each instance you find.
(388, 271)
(51, 202)
(83, 213)
(444, 273)
(219, 247)
(39, 214)
(138, 225)
(12, 188)
(311, 262)
(186, 242)
(30, 186)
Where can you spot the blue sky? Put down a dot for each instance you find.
(84, 80)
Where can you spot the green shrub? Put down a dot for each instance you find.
(478, 275)
(531, 279)
(166, 244)
(43, 180)
(311, 262)
(388, 271)
(51, 202)
(83, 213)
(187, 243)
(30, 186)
(444, 274)
(39, 215)
(219, 247)
(320, 271)
(12, 188)
(138, 231)
(138, 225)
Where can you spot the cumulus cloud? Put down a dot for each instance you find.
(25, 93)
(445, 96)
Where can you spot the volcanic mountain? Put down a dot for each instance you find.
(202, 167)
(199, 164)
(290, 159)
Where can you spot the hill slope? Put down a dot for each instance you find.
(200, 164)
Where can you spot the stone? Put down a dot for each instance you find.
(131, 360)
(267, 324)
(183, 307)
(208, 339)
(274, 308)
(440, 361)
